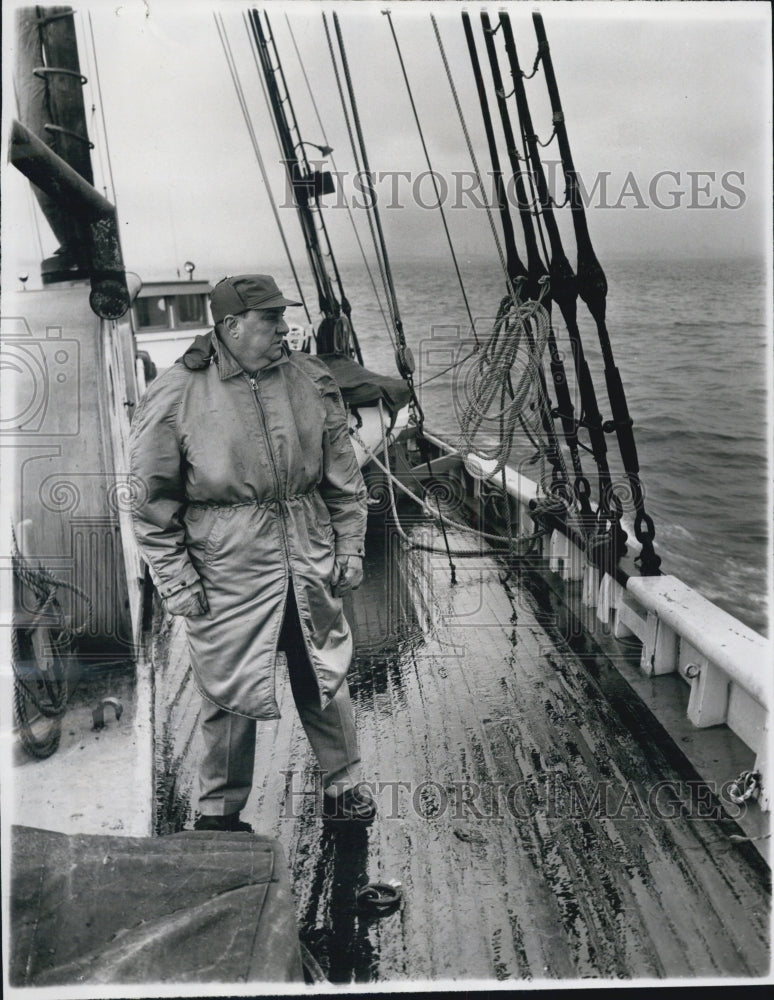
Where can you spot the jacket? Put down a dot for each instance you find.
(249, 485)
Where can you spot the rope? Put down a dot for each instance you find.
(448, 368)
(254, 141)
(746, 786)
(45, 688)
(490, 375)
(403, 356)
(430, 166)
(538, 57)
(102, 112)
(333, 164)
(393, 481)
(93, 123)
(471, 153)
(353, 145)
(374, 211)
(297, 166)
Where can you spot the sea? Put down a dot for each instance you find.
(691, 341)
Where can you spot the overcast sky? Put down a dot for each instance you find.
(646, 88)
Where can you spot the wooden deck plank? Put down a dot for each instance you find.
(488, 693)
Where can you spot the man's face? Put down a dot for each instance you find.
(258, 340)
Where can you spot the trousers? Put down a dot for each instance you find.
(227, 765)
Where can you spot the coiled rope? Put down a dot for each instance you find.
(45, 687)
(509, 351)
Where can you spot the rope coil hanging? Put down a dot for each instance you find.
(43, 687)
(491, 376)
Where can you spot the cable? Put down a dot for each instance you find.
(256, 149)
(430, 168)
(355, 154)
(333, 164)
(102, 112)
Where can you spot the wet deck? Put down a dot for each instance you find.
(487, 738)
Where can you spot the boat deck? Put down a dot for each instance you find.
(541, 823)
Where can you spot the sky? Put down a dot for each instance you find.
(667, 109)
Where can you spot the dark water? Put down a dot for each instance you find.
(690, 340)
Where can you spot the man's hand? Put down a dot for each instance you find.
(190, 602)
(347, 574)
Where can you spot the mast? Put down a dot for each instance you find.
(48, 84)
(335, 334)
(52, 149)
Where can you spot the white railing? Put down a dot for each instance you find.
(727, 665)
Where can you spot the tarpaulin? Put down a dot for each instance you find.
(191, 907)
(359, 386)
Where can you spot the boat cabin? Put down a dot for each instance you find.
(168, 315)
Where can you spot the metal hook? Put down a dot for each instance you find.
(98, 715)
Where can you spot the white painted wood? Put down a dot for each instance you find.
(370, 432)
(708, 702)
(629, 621)
(606, 599)
(558, 552)
(746, 717)
(737, 650)
(677, 625)
(763, 764)
(660, 648)
(518, 486)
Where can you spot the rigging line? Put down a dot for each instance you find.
(306, 80)
(592, 287)
(356, 157)
(404, 358)
(333, 305)
(524, 155)
(448, 368)
(32, 199)
(270, 74)
(535, 266)
(221, 28)
(93, 123)
(432, 172)
(32, 203)
(343, 193)
(557, 365)
(374, 209)
(505, 217)
(264, 174)
(322, 227)
(102, 111)
(564, 291)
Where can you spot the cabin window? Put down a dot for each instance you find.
(151, 312)
(189, 310)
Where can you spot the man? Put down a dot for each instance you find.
(252, 519)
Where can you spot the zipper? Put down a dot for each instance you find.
(283, 530)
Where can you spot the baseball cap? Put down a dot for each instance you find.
(232, 296)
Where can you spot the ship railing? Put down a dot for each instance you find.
(726, 664)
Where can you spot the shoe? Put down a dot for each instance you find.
(223, 824)
(353, 805)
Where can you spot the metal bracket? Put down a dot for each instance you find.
(98, 715)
